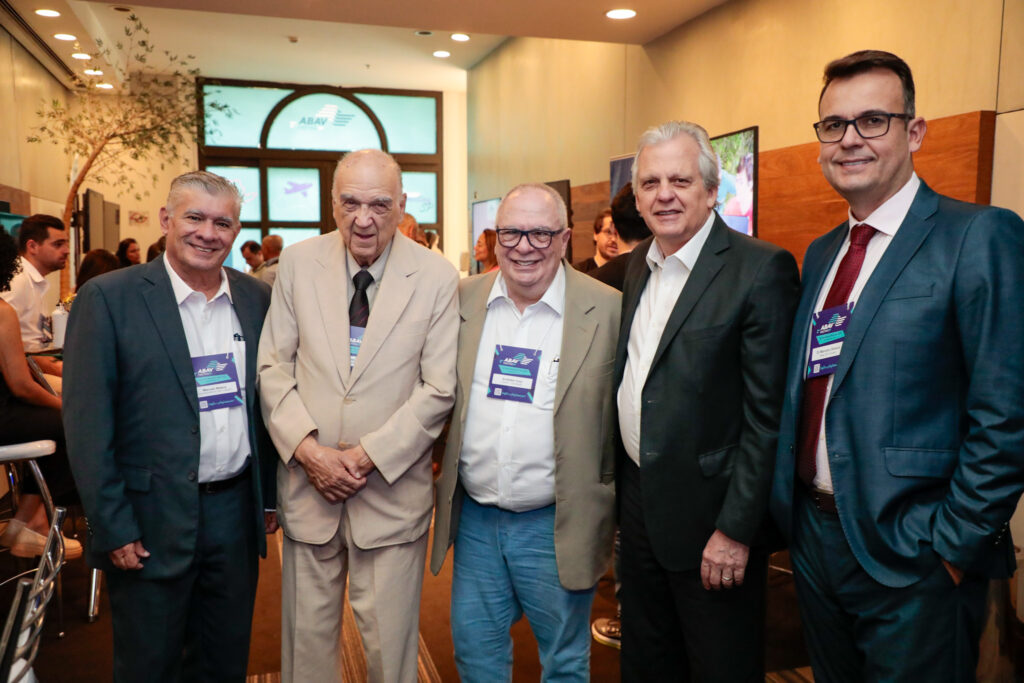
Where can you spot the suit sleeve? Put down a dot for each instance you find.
(284, 413)
(90, 394)
(764, 350)
(989, 474)
(414, 427)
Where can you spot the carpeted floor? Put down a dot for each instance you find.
(84, 653)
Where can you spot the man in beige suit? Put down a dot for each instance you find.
(354, 401)
(526, 493)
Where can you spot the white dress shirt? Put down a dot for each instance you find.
(28, 289)
(508, 447)
(886, 219)
(668, 277)
(211, 327)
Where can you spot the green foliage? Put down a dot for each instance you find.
(153, 119)
(731, 149)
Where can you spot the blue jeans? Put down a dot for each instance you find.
(505, 568)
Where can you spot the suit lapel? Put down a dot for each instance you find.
(704, 271)
(331, 285)
(908, 239)
(247, 310)
(578, 331)
(472, 314)
(634, 282)
(163, 310)
(393, 295)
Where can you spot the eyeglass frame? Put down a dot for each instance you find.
(889, 116)
(529, 240)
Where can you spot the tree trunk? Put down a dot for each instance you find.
(69, 206)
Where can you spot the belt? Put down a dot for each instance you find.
(224, 484)
(823, 500)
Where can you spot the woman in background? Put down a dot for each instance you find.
(96, 262)
(128, 253)
(28, 413)
(484, 253)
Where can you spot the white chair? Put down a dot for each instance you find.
(19, 643)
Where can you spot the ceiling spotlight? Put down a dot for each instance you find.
(47, 12)
(121, 8)
(64, 36)
(104, 86)
(81, 55)
(92, 72)
(442, 54)
(460, 37)
(620, 14)
(424, 33)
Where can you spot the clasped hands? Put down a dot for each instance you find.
(336, 474)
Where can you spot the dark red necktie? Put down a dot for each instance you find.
(816, 388)
(359, 309)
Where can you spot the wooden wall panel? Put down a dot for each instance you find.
(587, 202)
(21, 201)
(796, 204)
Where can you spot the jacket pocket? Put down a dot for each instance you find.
(714, 463)
(136, 478)
(909, 292)
(920, 462)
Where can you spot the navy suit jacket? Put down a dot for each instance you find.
(925, 425)
(712, 398)
(131, 415)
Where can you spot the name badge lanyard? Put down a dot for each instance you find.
(515, 369)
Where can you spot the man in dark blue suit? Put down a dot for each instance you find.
(901, 446)
(167, 444)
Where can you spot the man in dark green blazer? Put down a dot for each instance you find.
(167, 444)
(700, 364)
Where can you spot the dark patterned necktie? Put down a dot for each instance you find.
(359, 309)
(816, 388)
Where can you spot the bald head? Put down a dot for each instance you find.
(368, 202)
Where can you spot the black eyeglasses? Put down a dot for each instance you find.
(868, 126)
(538, 239)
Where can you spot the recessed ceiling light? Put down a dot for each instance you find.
(424, 33)
(47, 12)
(92, 72)
(620, 14)
(64, 36)
(81, 55)
(104, 86)
(121, 8)
(442, 54)
(460, 37)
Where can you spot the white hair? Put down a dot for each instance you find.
(708, 160)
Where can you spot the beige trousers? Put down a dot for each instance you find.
(384, 586)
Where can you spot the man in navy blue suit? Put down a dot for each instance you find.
(901, 446)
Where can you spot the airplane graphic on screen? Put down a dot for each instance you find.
(293, 187)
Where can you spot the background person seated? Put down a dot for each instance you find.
(96, 262)
(28, 413)
(128, 253)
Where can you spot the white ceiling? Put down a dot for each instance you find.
(349, 43)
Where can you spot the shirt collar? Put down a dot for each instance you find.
(889, 216)
(183, 291)
(686, 254)
(31, 271)
(553, 298)
(376, 268)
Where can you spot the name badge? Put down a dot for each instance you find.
(828, 332)
(217, 382)
(355, 340)
(514, 373)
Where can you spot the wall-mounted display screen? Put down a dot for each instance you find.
(737, 185)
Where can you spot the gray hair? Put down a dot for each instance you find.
(350, 158)
(560, 210)
(708, 160)
(210, 183)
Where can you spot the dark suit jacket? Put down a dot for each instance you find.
(925, 426)
(131, 415)
(712, 398)
(612, 273)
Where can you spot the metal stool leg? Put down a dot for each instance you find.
(95, 578)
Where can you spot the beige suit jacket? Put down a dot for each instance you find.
(584, 421)
(393, 402)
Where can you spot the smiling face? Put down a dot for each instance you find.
(670, 193)
(368, 203)
(528, 271)
(200, 229)
(868, 172)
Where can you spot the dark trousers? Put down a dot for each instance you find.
(193, 627)
(672, 628)
(857, 629)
